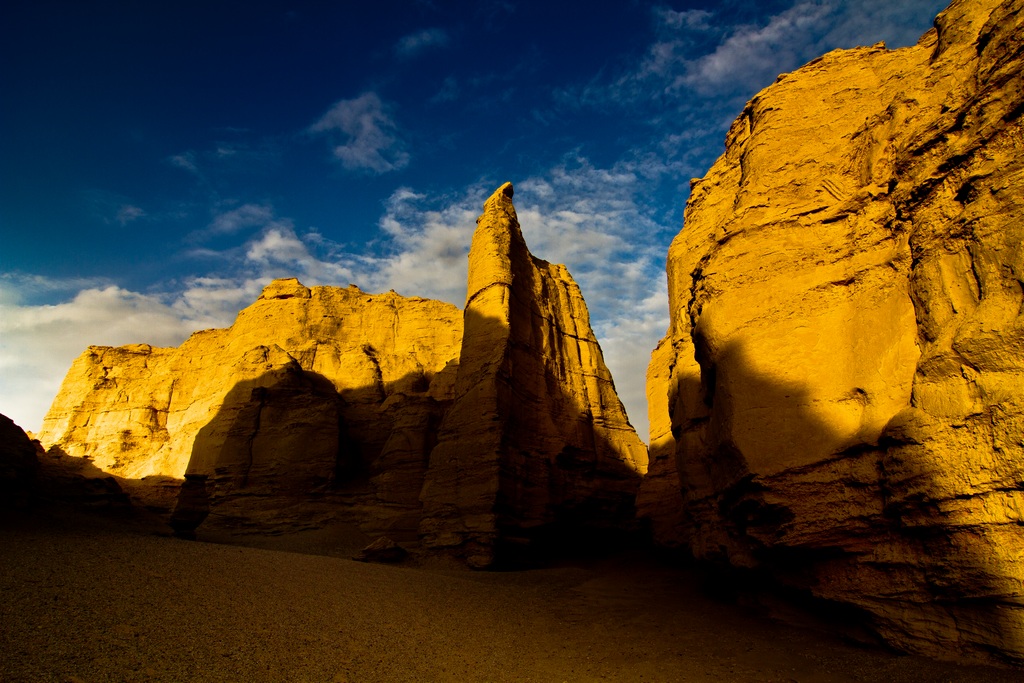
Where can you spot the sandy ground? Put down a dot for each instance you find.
(92, 601)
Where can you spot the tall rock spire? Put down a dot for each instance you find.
(537, 439)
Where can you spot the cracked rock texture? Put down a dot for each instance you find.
(840, 397)
(537, 439)
(294, 402)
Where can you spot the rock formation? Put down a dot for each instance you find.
(18, 466)
(323, 402)
(840, 396)
(31, 478)
(297, 399)
(537, 437)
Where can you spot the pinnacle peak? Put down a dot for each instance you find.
(501, 200)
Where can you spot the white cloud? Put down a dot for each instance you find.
(371, 142)
(279, 252)
(38, 343)
(596, 221)
(751, 57)
(428, 244)
(627, 344)
(244, 217)
(415, 43)
(702, 59)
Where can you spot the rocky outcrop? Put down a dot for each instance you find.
(327, 402)
(31, 478)
(844, 370)
(18, 466)
(296, 401)
(537, 437)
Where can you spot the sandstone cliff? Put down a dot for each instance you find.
(843, 376)
(297, 399)
(328, 403)
(537, 438)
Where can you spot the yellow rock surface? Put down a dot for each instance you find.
(537, 438)
(296, 394)
(330, 403)
(844, 371)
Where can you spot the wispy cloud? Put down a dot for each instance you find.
(750, 57)
(448, 92)
(700, 58)
(413, 44)
(595, 220)
(244, 217)
(280, 252)
(692, 19)
(128, 213)
(370, 135)
(237, 156)
(38, 343)
(185, 161)
(112, 207)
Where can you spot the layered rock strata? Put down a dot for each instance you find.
(296, 401)
(537, 438)
(840, 396)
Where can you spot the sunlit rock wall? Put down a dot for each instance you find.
(843, 376)
(298, 394)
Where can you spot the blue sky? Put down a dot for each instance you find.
(161, 161)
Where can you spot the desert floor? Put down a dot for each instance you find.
(95, 600)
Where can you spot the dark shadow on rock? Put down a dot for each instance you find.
(521, 474)
(52, 484)
(77, 481)
(287, 452)
(19, 467)
(841, 527)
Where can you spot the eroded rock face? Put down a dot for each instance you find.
(537, 436)
(295, 401)
(322, 400)
(844, 371)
